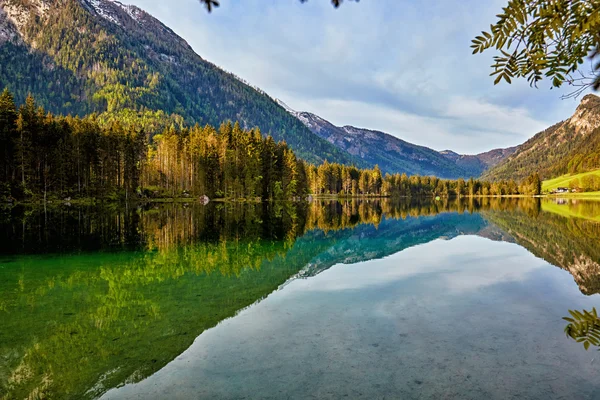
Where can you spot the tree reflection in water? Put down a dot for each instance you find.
(91, 298)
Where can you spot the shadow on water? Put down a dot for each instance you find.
(93, 298)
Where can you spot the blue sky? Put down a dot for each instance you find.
(399, 66)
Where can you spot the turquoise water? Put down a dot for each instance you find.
(370, 300)
(435, 321)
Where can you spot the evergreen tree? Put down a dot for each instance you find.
(8, 139)
(71, 156)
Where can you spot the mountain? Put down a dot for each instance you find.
(475, 165)
(569, 146)
(494, 157)
(370, 242)
(395, 155)
(390, 153)
(84, 56)
(568, 243)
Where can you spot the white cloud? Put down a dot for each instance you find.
(398, 66)
(479, 263)
(461, 124)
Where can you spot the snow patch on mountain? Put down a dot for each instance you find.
(311, 121)
(105, 9)
(304, 119)
(134, 12)
(286, 107)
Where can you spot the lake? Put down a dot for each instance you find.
(450, 299)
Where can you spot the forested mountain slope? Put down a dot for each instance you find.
(569, 146)
(82, 56)
(395, 155)
(390, 153)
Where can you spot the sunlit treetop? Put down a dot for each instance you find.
(210, 4)
(550, 39)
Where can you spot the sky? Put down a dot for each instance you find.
(399, 66)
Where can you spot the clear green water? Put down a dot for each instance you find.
(327, 300)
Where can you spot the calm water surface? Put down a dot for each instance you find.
(443, 300)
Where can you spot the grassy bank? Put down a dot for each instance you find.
(586, 211)
(564, 180)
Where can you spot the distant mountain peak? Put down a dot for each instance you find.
(392, 154)
(590, 98)
(587, 115)
(551, 152)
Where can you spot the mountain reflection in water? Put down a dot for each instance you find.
(94, 298)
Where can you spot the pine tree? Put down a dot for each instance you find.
(8, 138)
(290, 174)
(538, 184)
(27, 132)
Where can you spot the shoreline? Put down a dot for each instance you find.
(577, 196)
(92, 201)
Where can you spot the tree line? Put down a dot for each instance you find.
(132, 71)
(337, 179)
(47, 156)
